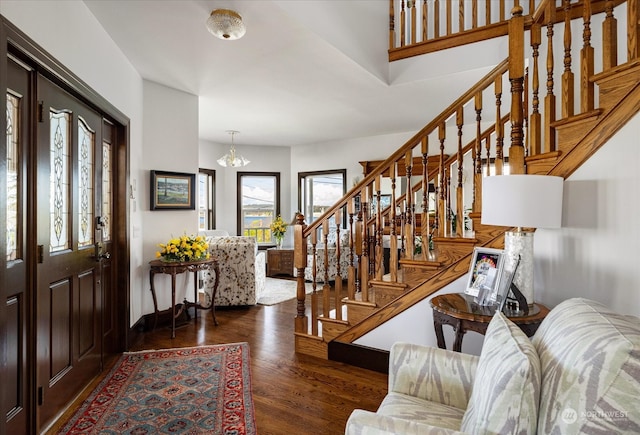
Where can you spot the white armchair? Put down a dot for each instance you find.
(242, 271)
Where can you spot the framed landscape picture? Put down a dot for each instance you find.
(485, 272)
(172, 191)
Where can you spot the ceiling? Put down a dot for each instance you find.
(306, 72)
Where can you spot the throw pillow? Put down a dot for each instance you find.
(506, 387)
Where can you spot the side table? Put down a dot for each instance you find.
(460, 311)
(279, 262)
(176, 268)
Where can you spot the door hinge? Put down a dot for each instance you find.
(40, 111)
(40, 254)
(40, 396)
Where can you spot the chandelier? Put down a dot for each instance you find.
(231, 159)
(226, 24)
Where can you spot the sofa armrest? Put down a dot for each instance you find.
(432, 374)
(362, 422)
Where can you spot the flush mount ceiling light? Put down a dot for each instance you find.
(226, 24)
(232, 159)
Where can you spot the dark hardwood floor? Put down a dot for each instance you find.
(292, 393)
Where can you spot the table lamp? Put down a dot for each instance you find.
(522, 201)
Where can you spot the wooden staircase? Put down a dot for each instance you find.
(549, 146)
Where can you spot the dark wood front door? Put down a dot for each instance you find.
(70, 224)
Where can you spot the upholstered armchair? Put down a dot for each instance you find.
(242, 271)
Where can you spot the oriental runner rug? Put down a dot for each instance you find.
(196, 390)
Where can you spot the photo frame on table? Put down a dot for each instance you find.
(172, 190)
(485, 273)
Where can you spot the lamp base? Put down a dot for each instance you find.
(519, 244)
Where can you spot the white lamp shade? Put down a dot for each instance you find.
(531, 201)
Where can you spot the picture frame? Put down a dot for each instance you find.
(485, 273)
(172, 190)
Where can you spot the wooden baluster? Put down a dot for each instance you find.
(447, 186)
(300, 263)
(338, 278)
(326, 288)
(436, 18)
(516, 78)
(425, 20)
(459, 187)
(477, 152)
(633, 28)
(498, 163)
(567, 75)
(424, 222)
(535, 139)
(474, 14)
(402, 24)
(351, 271)
(379, 266)
(392, 30)
(587, 88)
(550, 99)
(409, 234)
(449, 15)
(393, 235)
(525, 112)
(413, 20)
(358, 243)
(487, 13)
(609, 38)
(503, 10)
(314, 295)
(460, 16)
(488, 147)
(364, 240)
(442, 217)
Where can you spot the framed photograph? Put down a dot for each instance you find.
(485, 272)
(173, 191)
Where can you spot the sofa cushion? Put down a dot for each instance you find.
(421, 411)
(590, 359)
(506, 388)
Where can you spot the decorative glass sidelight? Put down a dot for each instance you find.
(60, 180)
(106, 191)
(13, 178)
(86, 188)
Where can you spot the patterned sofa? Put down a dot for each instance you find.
(332, 257)
(242, 271)
(580, 373)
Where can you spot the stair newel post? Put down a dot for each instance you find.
(408, 231)
(338, 277)
(393, 236)
(351, 271)
(425, 224)
(326, 288)
(587, 91)
(442, 217)
(459, 185)
(477, 167)
(300, 262)
(567, 75)
(364, 244)
(516, 78)
(392, 31)
(535, 139)
(550, 98)
(609, 38)
(314, 295)
(633, 29)
(379, 267)
(499, 162)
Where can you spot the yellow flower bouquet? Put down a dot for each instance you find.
(278, 229)
(184, 249)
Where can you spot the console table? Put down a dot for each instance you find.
(279, 262)
(174, 269)
(460, 311)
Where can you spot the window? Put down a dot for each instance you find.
(319, 190)
(258, 204)
(206, 199)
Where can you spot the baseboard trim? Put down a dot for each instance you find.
(359, 356)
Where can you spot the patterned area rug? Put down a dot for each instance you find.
(280, 290)
(197, 390)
